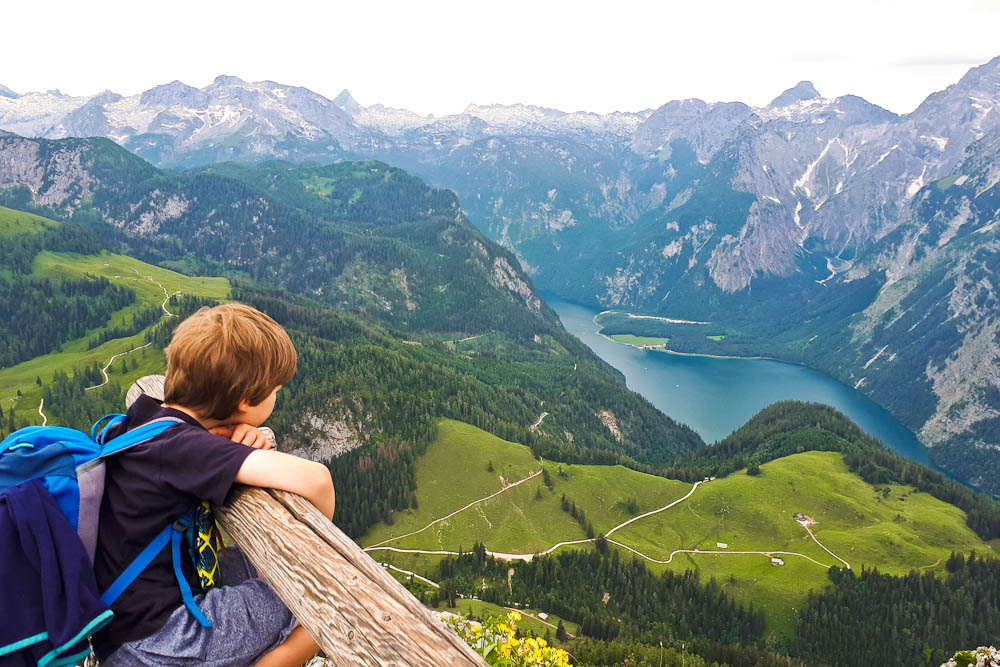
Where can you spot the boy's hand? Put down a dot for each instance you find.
(245, 434)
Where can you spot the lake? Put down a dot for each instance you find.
(716, 396)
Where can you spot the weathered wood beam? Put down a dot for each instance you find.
(355, 610)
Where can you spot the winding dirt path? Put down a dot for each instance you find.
(104, 371)
(166, 295)
(805, 524)
(41, 404)
(665, 507)
(163, 305)
(715, 553)
(166, 313)
(501, 555)
(412, 574)
(474, 502)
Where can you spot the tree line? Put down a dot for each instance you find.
(873, 618)
(614, 600)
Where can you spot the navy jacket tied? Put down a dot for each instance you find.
(49, 602)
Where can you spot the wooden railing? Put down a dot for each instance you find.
(354, 609)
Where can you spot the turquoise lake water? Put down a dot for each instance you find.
(716, 396)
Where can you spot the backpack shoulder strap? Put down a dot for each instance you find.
(114, 417)
(143, 433)
(171, 534)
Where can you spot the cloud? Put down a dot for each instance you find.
(942, 59)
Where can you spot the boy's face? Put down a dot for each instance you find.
(255, 415)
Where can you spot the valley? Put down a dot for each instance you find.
(671, 524)
(467, 427)
(812, 229)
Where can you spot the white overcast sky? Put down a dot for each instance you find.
(434, 56)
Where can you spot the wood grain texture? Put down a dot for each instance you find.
(355, 610)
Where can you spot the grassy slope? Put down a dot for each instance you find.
(631, 339)
(757, 513)
(131, 273)
(454, 472)
(480, 609)
(15, 223)
(748, 513)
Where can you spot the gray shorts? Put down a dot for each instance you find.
(248, 619)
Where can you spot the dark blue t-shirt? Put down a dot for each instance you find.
(148, 487)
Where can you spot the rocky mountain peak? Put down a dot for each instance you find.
(347, 102)
(980, 86)
(226, 80)
(800, 92)
(984, 79)
(167, 93)
(7, 92)
(104, 97)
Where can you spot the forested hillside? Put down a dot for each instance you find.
(458, 333)
(361, 236)
(920, 619)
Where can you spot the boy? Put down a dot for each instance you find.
(225, 366)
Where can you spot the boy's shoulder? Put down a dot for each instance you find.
(185, 456)
(146, 409)
(145, 404)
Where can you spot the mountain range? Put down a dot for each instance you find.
(753, 217)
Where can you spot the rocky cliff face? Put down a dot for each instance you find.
(934, 327)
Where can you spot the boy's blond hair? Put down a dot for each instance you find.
(219, 356)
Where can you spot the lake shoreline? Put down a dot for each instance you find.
(714, 395)
(651, 348)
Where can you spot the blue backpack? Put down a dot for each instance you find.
(69, 464)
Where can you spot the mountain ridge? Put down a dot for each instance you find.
(694, 210)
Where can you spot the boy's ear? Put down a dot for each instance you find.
(243, 406)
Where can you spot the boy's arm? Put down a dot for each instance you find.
(277, 470)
